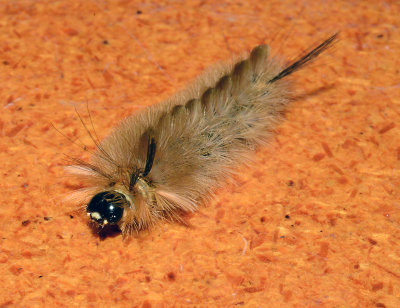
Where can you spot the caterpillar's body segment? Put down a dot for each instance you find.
(172, 156)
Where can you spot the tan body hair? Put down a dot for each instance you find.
(172, 156)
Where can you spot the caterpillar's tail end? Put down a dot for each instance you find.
(298, 64)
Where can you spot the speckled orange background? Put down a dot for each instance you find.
(315, 223)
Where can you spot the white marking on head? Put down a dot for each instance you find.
(95, 215)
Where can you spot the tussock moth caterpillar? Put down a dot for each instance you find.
(170, 157)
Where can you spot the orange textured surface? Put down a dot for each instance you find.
(314, 223)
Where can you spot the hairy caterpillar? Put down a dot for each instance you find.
(171, 157)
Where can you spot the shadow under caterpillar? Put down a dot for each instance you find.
(170, 157)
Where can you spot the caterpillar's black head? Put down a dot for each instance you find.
(107, 207)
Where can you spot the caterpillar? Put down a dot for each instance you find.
(171, 157)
